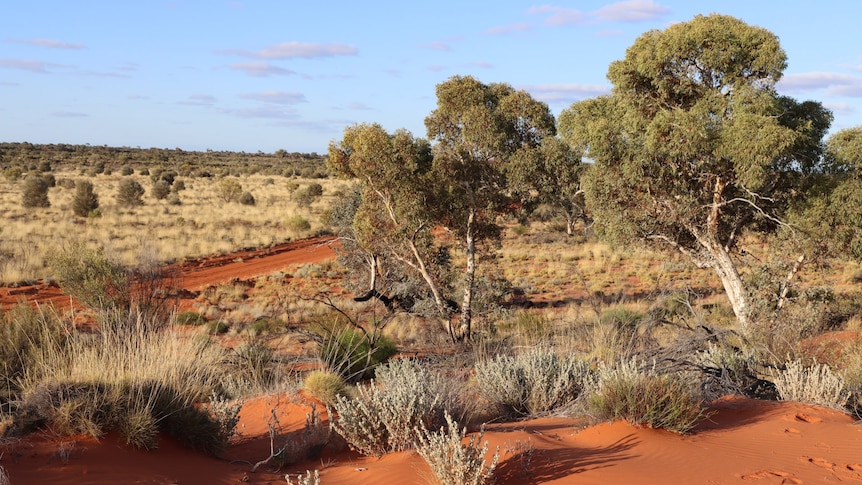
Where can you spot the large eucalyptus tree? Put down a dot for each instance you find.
(693, 146)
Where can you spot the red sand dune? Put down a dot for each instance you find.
(744, 442)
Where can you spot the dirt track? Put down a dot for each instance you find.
(197, 274)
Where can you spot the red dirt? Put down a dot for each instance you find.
(745, 441)
(198, 274)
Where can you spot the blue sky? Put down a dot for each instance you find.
(265, 75)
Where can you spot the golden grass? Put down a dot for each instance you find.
(202, 225)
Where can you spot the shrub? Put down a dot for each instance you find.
(229, 190)
(246, 198)
(534, 382)
(129, 193)
(85, 200)
(383, 416)
(644, 397)
(297, 224)
(314, 189)
(816, 385)
(34, 192)
(354, 354)
(325, 386)
(308, 479)
(174, 199)
(94, 279)
(13, 173)
(190, 318)
(452, 462)
(126, 170)
(255, 362)
(160, 189)
(24, 333)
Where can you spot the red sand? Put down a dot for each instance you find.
(745, 441)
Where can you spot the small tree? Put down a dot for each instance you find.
(129, 193)
(161, 188)
(35, 192)
(229, 190)
(85, 200)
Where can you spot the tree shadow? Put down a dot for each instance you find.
(537, 465)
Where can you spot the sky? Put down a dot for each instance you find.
(259, 76)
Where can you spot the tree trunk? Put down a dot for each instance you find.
(464, 332)
(733, 285)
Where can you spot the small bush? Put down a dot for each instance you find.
(93, 278)
(325, 386)
(160, 189)
(308, 479)
(297, 224)
(816, 385)
(644, 397)
(217, 327)
(130, 193)
(229, 190)
(190, 318)
(452, 462)
(534, 382)
(246, 198)
(353, 354)
(383, 416)
(85, 200)
(34, 192)
(126, 170)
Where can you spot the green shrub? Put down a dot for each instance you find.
(256, 362)
(325, 386)
(229, 190)
(25, 332)
(126, 170)
(354, 354)
(34, 192)
(160, 189)
(534, 382)
(85, 200)
(12, 174)
(644, 397)
(297, 224)
(217, 327)
(190, 318)
(129, 193)
(452, 462)
(94, 279)
(265, 325)
(246, 198)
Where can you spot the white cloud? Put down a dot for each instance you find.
(437, 46)
(832, 83)
(293, 50)
(31, 65)
(268, 111)
(565, 93)
(199, 100)
(261, 69)
(841, 108)
(277, 97)
(49, 43)
(631, 11)
(509, 29)
(559, 16)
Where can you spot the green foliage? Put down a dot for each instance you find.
(129, 193)
(12, 174)
(645, 397)
(94, 279)
(34, 192)
(160, 189)
(246, 199)
(189, 318)
(354, 354)
(325, 386)
(229, 190)
(452, 462)
(25, 332)
(534, 382)
(126, 170)
(85, 200)
(694, 146)
(297, 224)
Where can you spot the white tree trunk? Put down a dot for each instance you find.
(732, 282)
(469, 279)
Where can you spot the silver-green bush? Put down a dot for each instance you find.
(812, 385)
(452, 462)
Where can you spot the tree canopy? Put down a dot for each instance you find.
(693, 146)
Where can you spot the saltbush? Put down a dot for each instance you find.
(34, 192)
(129, 193)
(816, 385)
(452, 462)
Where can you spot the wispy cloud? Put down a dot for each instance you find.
(631, 11)
(199, 100)
(437, 46)
(267, 112)
(260, 69)
(436, 68)
(625, 11)
(49, 43)
(832, 83)
(276, 97)
(293, 50)
(509, 29)
(31, 65)
(841, 108)
(565, 93)
(69, 114)
(482, 65)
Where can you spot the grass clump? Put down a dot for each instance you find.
(534, 382)
(452, 462)
(354, 354)
(644, 397)
(816, 385)
(190, 318)
(383, 416)
(325, 386)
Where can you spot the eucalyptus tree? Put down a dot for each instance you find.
(476, 130)
(694, 147)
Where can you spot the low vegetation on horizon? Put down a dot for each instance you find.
(709, 248)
